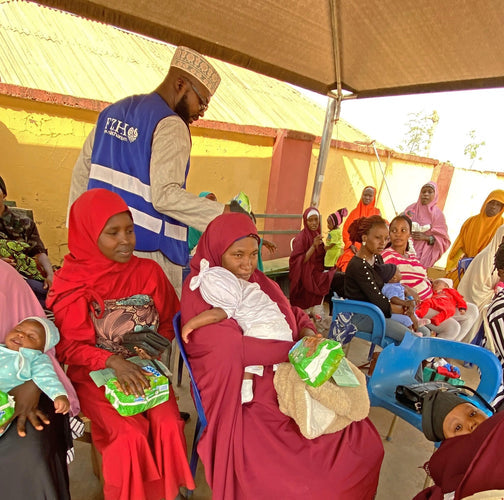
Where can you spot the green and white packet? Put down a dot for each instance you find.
(7, 407)
(127, 405)
(316, 359)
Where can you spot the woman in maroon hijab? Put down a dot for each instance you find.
(469, 463)
(309, 284)
(253, 450)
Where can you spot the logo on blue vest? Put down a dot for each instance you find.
(120, 130)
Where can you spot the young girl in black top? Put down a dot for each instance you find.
(363, 280)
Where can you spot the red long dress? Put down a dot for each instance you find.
(253, 451)
(145, 455)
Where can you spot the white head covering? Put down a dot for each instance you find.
(448, 281)
(195, 64)
(52, 335)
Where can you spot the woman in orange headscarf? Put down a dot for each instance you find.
(365, 208)
(476, 232)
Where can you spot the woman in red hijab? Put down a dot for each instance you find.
(144, 456)
(253, 450)
(430, 233)
(365, 208)
(309, 284)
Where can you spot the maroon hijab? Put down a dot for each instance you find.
(220, 234)
(470, 463)
(308, 281)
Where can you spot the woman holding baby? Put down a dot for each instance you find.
(253, 450)
(34, 447)
(414, 276)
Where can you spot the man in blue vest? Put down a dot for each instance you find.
(140, 149)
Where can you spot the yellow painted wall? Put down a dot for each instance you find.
(348, 172)
(41, 142)
(227, 162)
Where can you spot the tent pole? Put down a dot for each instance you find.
(332, 110)
(384, 176)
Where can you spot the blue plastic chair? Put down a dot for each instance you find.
(186, 270)
(462, 266)
(378, 334)
(398, 365)
(202, 421)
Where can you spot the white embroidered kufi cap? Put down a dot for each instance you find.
(195, 64)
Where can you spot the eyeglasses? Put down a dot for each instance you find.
(203, 102)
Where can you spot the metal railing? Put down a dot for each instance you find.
(279, 216)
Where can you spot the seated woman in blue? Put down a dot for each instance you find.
(363, 280)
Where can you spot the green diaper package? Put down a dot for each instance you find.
(7, 406)
(128, 405)
(316, 359)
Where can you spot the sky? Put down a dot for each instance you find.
(384, 119)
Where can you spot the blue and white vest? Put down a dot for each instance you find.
(120, 162)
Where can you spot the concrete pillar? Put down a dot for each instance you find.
(442, 175)
(287, 185)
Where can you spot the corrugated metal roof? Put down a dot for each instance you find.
(46, 49)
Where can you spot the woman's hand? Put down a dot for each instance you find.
(48, 283)
(417, 235)
(354, 249)
(396, 308)
(131, 377)
(27, 397)
(142, 354)
(318, 240)
(409, 307)
(9, 261)
(44, 261)
(308, 332)
(410, 292)
(270, 246)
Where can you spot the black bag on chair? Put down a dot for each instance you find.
(413, 395)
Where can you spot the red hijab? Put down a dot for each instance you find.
(86, 271)
(359, 211)
(368, 210)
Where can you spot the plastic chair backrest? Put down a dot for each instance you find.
(196, 394)
(378, 333)
(202, 421)
(462, 266)
(398, 365)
